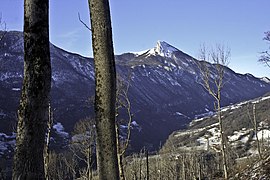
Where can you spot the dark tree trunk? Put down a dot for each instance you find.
(105, 89)
(33, 109)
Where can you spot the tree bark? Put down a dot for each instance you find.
(147, 165)
(105, 89)
(47, 142)
(33, 109)
(256, 132)
(222, 141)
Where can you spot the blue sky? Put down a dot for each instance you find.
(185, 24)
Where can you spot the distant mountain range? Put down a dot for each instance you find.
(165, 89)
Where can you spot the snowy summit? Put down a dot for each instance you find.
(162, 48)
(266, 79)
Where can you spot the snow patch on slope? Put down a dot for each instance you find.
(60, 130)
(7, 143)
(265, 79)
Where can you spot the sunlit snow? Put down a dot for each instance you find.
(16, 89)
(162, 49)
(59, 128)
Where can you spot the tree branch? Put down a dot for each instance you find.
(84, 22)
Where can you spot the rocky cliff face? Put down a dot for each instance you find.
(166, 89)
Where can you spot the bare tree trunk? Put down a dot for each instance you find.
(105, 89)
(183, 168)
(121, 167)
(177, 169)
(140, 167)
(256, 131)
(119, 154)
(89, 162)
(222, 141)
(147, 165)
(46, 149)
(33, 110)
(199, 170)
(122, 101)
(214, 86)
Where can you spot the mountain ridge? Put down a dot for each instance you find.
(165, 91)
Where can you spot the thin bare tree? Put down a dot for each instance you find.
(62, 166)
(253, 119)
(265, 55)
(33, 110)
(83, 145)
(123, 104)
(213, 82)
(105, 92)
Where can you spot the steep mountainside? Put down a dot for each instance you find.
(165, 89)
(204, 134)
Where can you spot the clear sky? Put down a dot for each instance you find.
(185, 24)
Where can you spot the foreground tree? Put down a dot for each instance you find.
(213, 82)
(34, 103)
(105, 95)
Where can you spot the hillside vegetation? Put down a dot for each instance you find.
(203, 136)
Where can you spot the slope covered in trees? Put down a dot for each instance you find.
(164, 91)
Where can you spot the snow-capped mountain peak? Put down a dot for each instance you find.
(163, 49)
(266, 79)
